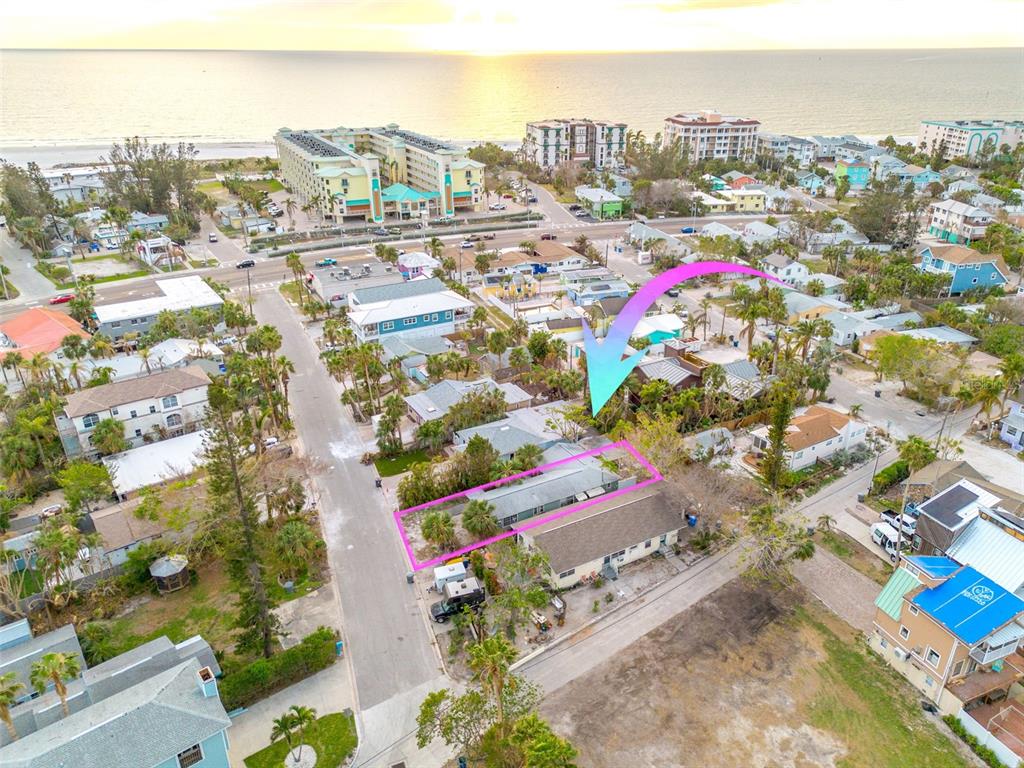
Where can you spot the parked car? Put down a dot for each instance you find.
(62, 298)
(213, 237)
(394, 230)
(548, 236)
(326, 262)
(466, 244)
(575, 207)
(688, 230)
(50, 511)
(581, 213)
(245, 264)
(673, 292)
(457, 595)
(907, 523)
(885, 536)
(531, 199)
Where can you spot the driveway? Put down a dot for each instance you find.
(846, 592)
(385, 629)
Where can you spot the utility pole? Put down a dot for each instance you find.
(248, 281)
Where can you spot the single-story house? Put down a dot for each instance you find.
(815, 434)
(605, 537)
(154, 463)
(434, 402)
(601, 203)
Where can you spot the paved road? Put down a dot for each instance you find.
(385, 630)
(31, 285)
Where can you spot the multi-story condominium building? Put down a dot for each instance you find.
(156, 706)
(968, 268)
(370, 172)
(958, 222)
(965, 138)
(181, 295)
(414, 308)
(552, 142)
(165, 404)
(710, 135)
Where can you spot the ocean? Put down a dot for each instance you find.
(71, 104)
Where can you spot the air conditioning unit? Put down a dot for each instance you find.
(900, 654)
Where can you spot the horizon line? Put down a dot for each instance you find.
(498, 54)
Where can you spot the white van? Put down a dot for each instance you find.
(885, 536)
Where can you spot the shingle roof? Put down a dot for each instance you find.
(815, 425)
(435, 402)
(162, 384)
(958, 254)
(602, 529)
(145, 725)
(19, 658)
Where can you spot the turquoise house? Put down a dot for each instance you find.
(968, 269)
(916, 175)
(809, 181)
(857, 173)
(716, 183)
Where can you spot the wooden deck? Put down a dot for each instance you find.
(1004, 720)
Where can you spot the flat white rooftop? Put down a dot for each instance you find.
(180, 294)
(156, 462)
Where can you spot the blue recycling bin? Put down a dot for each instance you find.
(691, 520)
(339, 648)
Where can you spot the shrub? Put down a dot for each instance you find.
(249, 684)
(891, 475)
(987, 755)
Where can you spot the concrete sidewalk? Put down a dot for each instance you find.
(31, 285)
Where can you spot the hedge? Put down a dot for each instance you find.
(266, 676)
(891, 475)
(987, 755)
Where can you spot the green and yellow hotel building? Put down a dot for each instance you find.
(375, 173)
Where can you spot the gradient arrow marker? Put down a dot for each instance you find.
(606, 369)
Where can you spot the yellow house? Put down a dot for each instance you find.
(714, 204)
(746, 200)
(510, 286)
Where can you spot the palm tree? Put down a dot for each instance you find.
(490, 660)
(15, 362)
(294, 262)
(302, 718)
(826, 522)
(55, 668)
(478, 519)
(559, 351)
(289, 208)
(527, 457)
(9, 689)
(497, 343)
(988, 394)
(437, 528)
(100, 347)
(282, 729)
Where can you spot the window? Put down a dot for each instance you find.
(426, 318)
(116, 324)
(174, 420)
(433, 318)
(113, 411)
(564, 574)
(958, 668)
(90, 420)
(387, 325)
(904, 632)
(883, 642)
(1011, 430)
(132, 414)
(929, 681)
(647, 544)
(171, 401)
(932, 658)
(191, 756)
(913, 610)
(152, 409)
(409, 321)
(138, 433)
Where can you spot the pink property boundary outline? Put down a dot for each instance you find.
(533, 522)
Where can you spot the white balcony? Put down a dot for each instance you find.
(985, 654)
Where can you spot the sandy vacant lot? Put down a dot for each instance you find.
(750, 676)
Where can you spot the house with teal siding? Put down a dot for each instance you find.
(916, 175)
(968, 269)
(810, 181)
(857, 173)
(422, 307)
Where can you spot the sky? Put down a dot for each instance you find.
(498, 27)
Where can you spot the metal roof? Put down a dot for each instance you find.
(401, 290)
(934, 565)
(890, 599)
(969, 605)
(992, 551)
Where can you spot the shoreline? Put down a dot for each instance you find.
(56, 155)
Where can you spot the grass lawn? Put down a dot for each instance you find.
(268, 185)
(873, 710)
(852, 553)
(400, 464)
(565, 198)
(333, 738)
(33, 583)
(290, 291)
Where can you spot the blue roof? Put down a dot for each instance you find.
(934, 566)
(970, 605)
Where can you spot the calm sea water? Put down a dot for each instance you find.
(88, 98)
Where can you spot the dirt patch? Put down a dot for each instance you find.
(739, 680)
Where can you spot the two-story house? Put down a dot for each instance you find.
(816, 434)
(1011, 426)
(954, 634)
(856, 172)
(967, 268)
(165, 404)
(155, 706)
(784, 268)
(422, 307)
(958, 222)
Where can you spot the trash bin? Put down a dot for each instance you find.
(339, 648)
(409, 578)
(691, 521)
(878, 393)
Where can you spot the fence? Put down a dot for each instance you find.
(1007, 747)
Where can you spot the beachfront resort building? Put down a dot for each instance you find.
(965, 138)
(369, 173)
(710, 135)
(552, 142)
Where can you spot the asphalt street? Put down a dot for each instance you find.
(387, 637)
